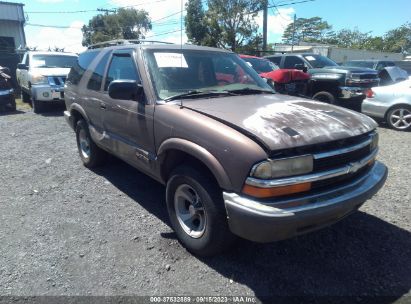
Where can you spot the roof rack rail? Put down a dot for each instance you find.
(123, 42)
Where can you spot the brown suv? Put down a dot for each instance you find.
(237, 159)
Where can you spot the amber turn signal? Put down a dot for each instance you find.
(275, 191)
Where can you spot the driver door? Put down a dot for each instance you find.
(128, 124)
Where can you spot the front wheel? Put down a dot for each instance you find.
(326, 97)
(37, 106)
(90, 154)
(25, 96)
(399, 118)
(196, 210)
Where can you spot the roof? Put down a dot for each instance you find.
(368, 60)
(11, 3)
(291, 54)
(51, 53)
(122, 44)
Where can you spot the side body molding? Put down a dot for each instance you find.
(200, 153)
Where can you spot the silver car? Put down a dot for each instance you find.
(391, 103)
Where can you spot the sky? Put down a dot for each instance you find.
(46, 16)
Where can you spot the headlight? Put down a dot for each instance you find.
(38, 79)
(291, 166)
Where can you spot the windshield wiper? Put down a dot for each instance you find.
(250, 91)
(197, 93)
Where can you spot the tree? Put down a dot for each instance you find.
(306, 29)
(126, 23)
(231, 23)
(399, 39)
(353, 39)
(195, 25)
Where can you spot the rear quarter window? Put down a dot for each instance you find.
(83, 62)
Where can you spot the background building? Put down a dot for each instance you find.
(339, 55)
(12, 35)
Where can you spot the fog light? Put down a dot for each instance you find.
(46, 94)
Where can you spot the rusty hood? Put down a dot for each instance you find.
(281, 122)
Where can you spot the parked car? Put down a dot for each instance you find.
(41, 76)
(6, 91)
(371, 64)
(284, 81)
(388, 72)
(237, 159)
(330, 82)
(390, 103)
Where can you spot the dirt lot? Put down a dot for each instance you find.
(67, 230)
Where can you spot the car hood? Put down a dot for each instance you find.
(281, 122)
(344, 69)
(51, 71)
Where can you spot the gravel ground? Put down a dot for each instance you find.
(67, 230)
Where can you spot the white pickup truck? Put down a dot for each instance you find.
(41, 76)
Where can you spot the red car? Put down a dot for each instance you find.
(286, 81)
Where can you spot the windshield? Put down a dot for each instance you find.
(261, 65)
(318, 61)
(360, 64)
(53, 61)
(175, 72)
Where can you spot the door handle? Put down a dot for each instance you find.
(103, 105)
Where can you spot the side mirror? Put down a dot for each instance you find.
(300, 66)
(125, 89)
(22, 66)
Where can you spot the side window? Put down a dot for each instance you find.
(121, 67)
(96, 78)
(291, 61)
(81, 66)
(27, 61)
(276, 60)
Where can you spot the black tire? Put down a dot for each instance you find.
(25, 97)
(92, 156)
(216, 236)
(12, 105)
(37, 106)
(403, 125)
(326, 97)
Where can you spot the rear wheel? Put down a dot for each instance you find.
(196, 210)
(90, 154)
(399, 118)
(326, 97)
(13, 105)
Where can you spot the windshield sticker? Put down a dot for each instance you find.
(310, 58)
(170, 60)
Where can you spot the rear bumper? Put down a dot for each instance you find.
(374, 107)
(263, 222)
(352, 92)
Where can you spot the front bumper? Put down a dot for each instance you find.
(265, 222)
(48, 92)
(352, 92)
(6, 96)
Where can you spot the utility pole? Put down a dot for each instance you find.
(292, 42)
(265, 17)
